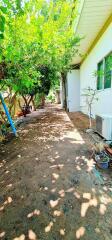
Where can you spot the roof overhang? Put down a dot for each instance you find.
(93, 19)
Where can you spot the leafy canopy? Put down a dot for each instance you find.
(36, 34)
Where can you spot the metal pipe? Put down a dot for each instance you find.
(8, 115)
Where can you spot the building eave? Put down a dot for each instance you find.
(94, 18)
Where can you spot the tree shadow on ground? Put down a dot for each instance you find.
(49, 186)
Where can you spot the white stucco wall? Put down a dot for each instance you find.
(89, 66)
(73, 91)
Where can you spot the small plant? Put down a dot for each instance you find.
(105, 159)
(91, 97)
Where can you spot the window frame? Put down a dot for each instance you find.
(103, 79)
(102, 60)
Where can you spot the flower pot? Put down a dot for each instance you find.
(102, 161)
(104, 165)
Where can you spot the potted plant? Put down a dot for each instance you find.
(102, 160)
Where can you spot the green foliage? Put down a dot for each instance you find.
(38, 42)
(51, 96)
(37, 99)
(3, 11)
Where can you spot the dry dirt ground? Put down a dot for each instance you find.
(49, 187)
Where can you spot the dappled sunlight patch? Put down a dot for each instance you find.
(2, 182)
(105, 199)
(53, 181)
(53, 166)
(30, 215)
(32, 235)
(93, 190)
(90, 164)
(34, 213)
(22, 197)
(57, 213)
(44, 176)
(78, 168)
(21, 237)
(102, 209)
(82, 164)
(93, 202)
(9, 185)
(105, 188)
(68, 160)
(78, 141)
(69, 190)
(101, 192)
(74, 137)
(1, 165)
(53, 203)
(62, 232)
(62, 193)
(2, 234)
(56, 153)
(53, 190)
(57, 156)
(87, 195)
(2, 208)
(6, 172)
(77, 158)
(77, 195)
(83, 157)
(97, 230)
(55, 176)
(52, 160)
(84, 207)
(80, 232)
(8, 201)
(4, 161)
(48, 228)
(58, 166)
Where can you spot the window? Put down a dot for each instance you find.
(104, 71)
(107, 71)
(100, 76)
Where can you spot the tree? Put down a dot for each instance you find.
(38, 35)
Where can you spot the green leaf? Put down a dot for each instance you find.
(2, 26)
(3, 9)
(2, 19)
(1, 36)
(2, 23)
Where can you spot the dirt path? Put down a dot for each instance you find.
(49, 188)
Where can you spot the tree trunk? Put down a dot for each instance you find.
(43, 101)
(12, 103)
(19, 103)
(63, 76)
(25, 99)
(30, 100)
(33, 102)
